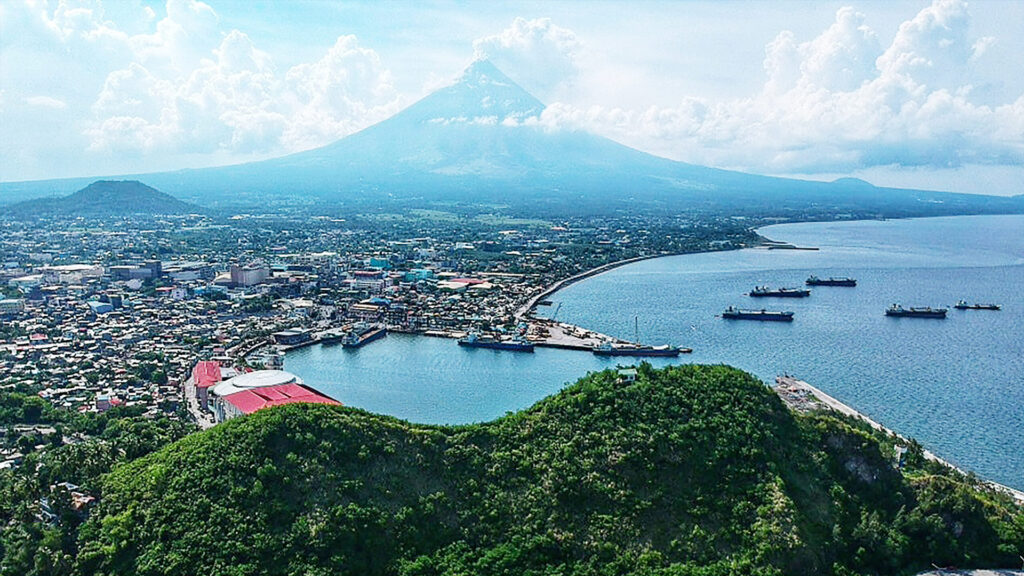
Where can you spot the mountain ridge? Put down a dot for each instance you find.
(478, 141)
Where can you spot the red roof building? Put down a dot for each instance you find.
(251, 400)
(205, 374)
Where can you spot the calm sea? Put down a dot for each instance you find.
(957, 385)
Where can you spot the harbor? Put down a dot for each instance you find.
(677, 298)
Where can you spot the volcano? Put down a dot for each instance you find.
(480, 140)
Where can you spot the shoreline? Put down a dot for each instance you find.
(526, 310)
(790, 383)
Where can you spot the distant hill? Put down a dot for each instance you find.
(479, 141)
(689, 470)
(105, 198)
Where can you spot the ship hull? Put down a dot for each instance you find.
(919, 314)
(790, 294)
(661, 353)
(508, 346)
(366, 338)
(847, 283)
(758, 317)
(978, 307)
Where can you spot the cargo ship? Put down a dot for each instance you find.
(762, 291)
(963, 305)
(815, 281)
(474, 340)
(926, 312)
(609, 349)
(363, 334)
(762, 315)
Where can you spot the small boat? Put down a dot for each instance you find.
(609, 349)
(815, 281)
(762, 291)
(963, 305)
(926, 312)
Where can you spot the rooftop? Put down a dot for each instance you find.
(206, 373)
(257, 379)
(249, 401)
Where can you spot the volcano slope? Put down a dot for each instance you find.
(687, 470)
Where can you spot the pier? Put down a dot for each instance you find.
(551, 334)
(803, 397)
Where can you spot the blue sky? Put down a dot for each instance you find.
(911, 94)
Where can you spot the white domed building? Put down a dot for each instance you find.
(252, 391)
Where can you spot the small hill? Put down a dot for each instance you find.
(853, 182)
(688, 470)
(106, 198)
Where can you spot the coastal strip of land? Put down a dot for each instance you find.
(530, 304)
(793, 392)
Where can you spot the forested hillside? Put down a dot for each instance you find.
(688, 470)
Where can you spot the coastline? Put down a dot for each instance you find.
(789, 383)
(526, 310)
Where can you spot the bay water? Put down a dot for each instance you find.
(956, 385)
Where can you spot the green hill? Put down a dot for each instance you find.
(691, 470)
(105, 198)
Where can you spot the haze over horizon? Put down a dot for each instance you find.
(905, 94)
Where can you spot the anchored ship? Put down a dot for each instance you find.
(926, 312)
(762, 291)
(474, 340)
(815, 281)
(963, 305)
(762, 315)
(363, 334)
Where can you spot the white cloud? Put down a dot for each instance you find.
(157, 88)
(345, 91)
(836, 103)
(183, 94)
(46, 102)
(537, 54)
(184, 87)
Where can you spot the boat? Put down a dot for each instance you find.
(474, 340)
(732, 313)
(762, 291)
(926, 312)
(609, 349)
(815, 281)
(963, 305)
(363, 334)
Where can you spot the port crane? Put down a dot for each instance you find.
(555, 313)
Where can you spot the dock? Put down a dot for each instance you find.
(549, 334)
(803, 397)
